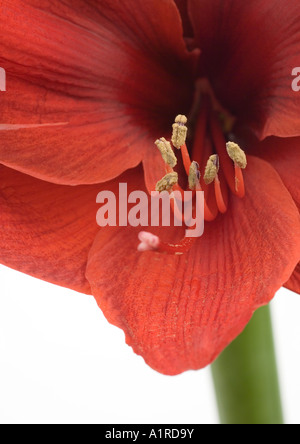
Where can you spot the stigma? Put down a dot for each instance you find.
(217, 170)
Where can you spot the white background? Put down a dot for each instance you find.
(61, 362)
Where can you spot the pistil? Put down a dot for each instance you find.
(151, 242)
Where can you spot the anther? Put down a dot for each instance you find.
(211, 169)
(236, 154)
(194, 175)
(179, 131)
(167, 182)
(240, 162)
(166, 152)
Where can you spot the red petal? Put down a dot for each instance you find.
(182, 5)
(112, 74)
(248, 52)
(47, 230)
(294, 282)
(180, 312)
(284, 156)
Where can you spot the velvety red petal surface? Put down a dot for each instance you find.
(180, 312)
(248, 52)
(294, 282)
(47, 230)
(284, 155)
(182, 5)
(90, 84)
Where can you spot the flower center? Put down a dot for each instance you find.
(216, 169)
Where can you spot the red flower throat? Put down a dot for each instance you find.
(212, 123)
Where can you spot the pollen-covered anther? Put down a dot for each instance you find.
(148, 241)
(211, 169)
(167, 182)
(194, 175)
(179, 131)
(236, 154)
(166, 152)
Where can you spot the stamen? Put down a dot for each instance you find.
(166, 152)
(220, 146)
(211, 175)
(209, 214)
(179, 131)
(236, 154)
(239, 181)
(167, 182)
(194, 175)
(185, 158)
(240, 162)
(178, 215)
(212, 169)
(176, 186)
(234, 176)
(210, 205)
(205, 144)
(221, 200)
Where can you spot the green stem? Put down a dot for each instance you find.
(245, 376)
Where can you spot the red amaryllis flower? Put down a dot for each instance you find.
(90, 85)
